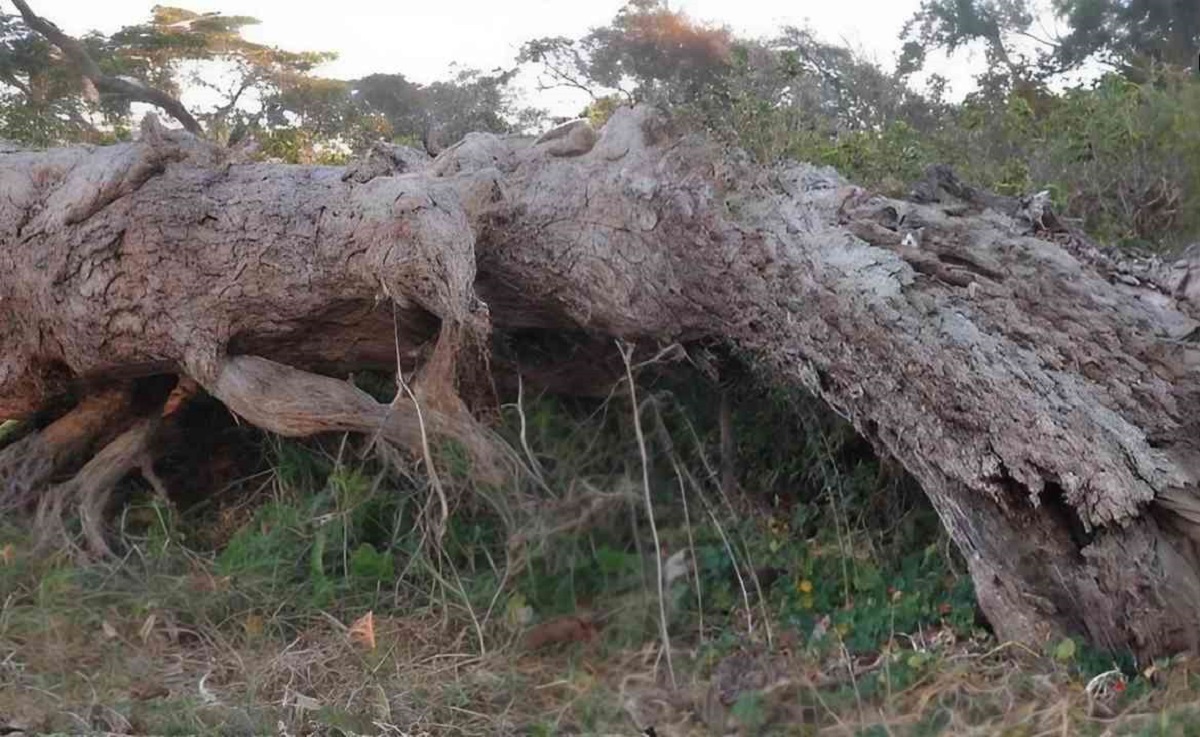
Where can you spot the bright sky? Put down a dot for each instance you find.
(422, 39)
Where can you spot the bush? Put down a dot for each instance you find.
(1119, 156)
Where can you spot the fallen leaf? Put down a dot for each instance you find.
(148, 691)
(203, 581)
(109, 631)
(253, 625)
(517, 611)
(363, 630)
(560, 631)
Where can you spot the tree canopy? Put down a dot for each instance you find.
(234, 87)
(1128, 35)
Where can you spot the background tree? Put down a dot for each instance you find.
(86, 90)
(443, 112)
(1131, 33)
(1021, 39)
(649, 53)
(234, 87)
(764, 94)
(41, 101)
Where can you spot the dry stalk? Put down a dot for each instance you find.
(626, 354)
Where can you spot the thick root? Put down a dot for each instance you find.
(27, 465)
(295, 403)
(99, 418)
(90, 489)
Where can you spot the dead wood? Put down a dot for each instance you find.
(28, 464)
(1044, 392)
(90, 489)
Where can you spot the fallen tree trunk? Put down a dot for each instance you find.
(1045, 394)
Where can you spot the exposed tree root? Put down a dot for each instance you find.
(124, 421)
(295, 403)
(28, 464)
(91, 488)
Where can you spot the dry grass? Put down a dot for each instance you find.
(168, 641)
(134, 667)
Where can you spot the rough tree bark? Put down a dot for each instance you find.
(1045, 394)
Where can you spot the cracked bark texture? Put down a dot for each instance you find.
(1044, 392)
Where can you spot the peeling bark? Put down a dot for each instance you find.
(1044, 392)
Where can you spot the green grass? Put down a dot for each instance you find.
(826, 572)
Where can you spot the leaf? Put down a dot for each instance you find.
(253, 625)
(7, 555)
(109, 631)
(517, 611)
(148, 691)
(560, 631)
(1065, 651)
(363, 630)
(368, 564)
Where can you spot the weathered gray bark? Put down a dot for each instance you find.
(1045, 395)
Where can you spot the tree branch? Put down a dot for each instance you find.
(224, 110)
(1039, 39)
(128, 88)
(12, 81)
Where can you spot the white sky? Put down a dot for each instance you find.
(422, 39)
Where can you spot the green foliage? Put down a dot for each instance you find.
(299, 146)
(831, 535)
(269, 548)
(270, 93)
(889, 159)
(443, 112)
(848, 555)
(329, 538)
(1064, 651)
(372, 566)
(1129, 36)
(1119, 156)
(749, 710)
